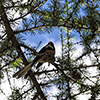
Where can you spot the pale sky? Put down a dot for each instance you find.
(34, 40)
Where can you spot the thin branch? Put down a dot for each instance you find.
(40, 4)
(73, 10)
(35, 96)
(88, 78)
(44, 72)
(88, 45)
(80, 66)
(1, 37)
(3, 93)
(30, 11)
(9, 63)
(24, 93)
(8, 47)
(12, 37)
(80, 93)
(8, 78)
(87, 66)
(68, 77)
(36, 84)
(46, 26)
(27, 47)
(85, 53)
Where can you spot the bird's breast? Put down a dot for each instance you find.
(48, 56)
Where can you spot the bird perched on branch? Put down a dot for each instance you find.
(46, 54)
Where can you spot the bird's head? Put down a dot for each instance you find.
(51, 45)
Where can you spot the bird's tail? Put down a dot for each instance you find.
(23, 70)
(27, 68)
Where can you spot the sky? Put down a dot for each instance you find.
(34, 40)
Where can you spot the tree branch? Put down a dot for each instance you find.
(46, 26)
(11, 37)
(87, 66)
(30, 11)
(8, 47)
(23, 93)
(44, 72)
(27, 47)
(8, 63)
(73, 10)
(68, 77)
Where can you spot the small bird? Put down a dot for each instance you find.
(46, 54)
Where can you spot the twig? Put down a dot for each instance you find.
(8, 47)
(9, 63)
(29, 11)
(27, 47)
(24, 93)
(3, 92)
(12, 37)
(46, 26)
(35, 96)
(88, 78)
(67, 77)
(8, 78)
(73, 10)
(87, 66)
(44, 72)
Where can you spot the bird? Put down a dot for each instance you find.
(46, 54)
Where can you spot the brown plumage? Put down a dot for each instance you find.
(46, 54)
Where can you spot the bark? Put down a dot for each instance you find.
(10, 35)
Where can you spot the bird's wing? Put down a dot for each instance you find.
(22, 71)
(28, 67)
(42, 52)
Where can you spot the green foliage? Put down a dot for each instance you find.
(17, 63)
(15, 94)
